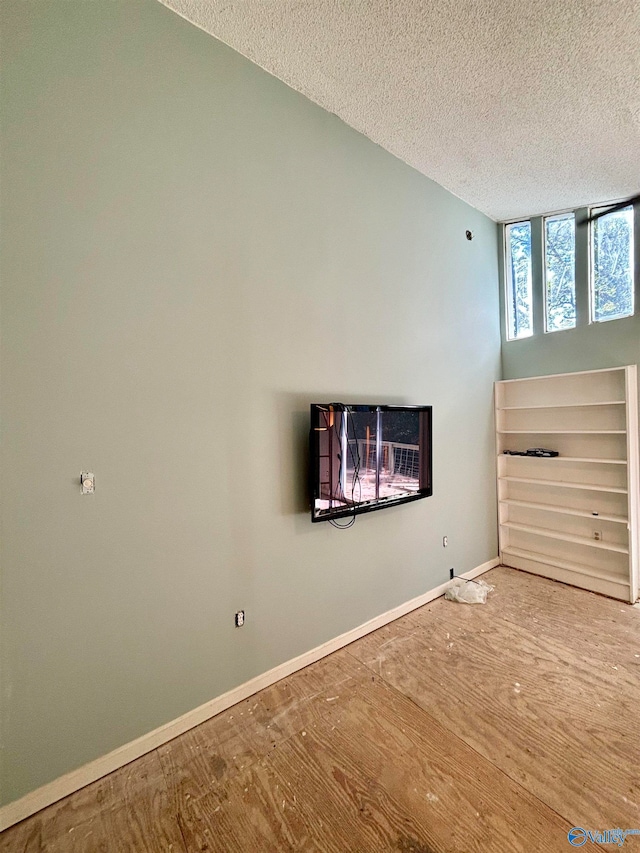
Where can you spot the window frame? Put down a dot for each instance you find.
(592, 278)
(507, 290)
(565, 214)
(584, 269)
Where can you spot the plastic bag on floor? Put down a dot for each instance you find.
(468, 592)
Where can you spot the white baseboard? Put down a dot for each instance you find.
(94, 770)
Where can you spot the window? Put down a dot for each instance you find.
(518, 280)
(574, 262)
(560, 272)
(612, 265)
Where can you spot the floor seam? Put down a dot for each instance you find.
(458, 737)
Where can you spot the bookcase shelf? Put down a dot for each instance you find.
(567, 537)
(591, 487)
(581, 571)
(572, 517)
(592, 459)
(565, 405)
(562, 431)
(564, 510)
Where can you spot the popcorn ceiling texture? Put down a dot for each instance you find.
(518, 108)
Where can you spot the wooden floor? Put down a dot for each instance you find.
(456, 728)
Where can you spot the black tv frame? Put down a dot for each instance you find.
(358, 508)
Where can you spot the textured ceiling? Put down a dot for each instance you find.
(517, 107)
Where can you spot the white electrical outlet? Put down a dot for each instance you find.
(239, 618)
(445, 541)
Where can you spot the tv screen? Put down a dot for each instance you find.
(365, 458)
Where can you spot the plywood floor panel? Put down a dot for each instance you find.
(563, 726)
(338, 785)
(455, 728)
(128, 810)
(208, 755)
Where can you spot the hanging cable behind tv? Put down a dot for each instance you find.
(355, 478)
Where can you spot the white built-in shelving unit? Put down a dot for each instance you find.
(573, 517)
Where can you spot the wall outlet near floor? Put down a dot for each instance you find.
(451, 574)
(445, 541)
(239, 618)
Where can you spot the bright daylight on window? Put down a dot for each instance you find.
(518, 280)
(612, 266)
(609, 260)
(559, 272)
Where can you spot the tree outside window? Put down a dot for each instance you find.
(518, 280)
(560, 272)
(612, 265)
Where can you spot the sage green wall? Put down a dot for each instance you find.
(192, 253)
(589, 346)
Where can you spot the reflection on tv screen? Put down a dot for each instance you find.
(367, 457)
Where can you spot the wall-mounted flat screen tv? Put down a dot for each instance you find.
(365, 458)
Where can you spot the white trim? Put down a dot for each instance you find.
(77, 779)
(633, 479)
(561, 375)
(507, 263)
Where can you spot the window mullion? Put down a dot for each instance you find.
(537, 274)
(583, 264)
